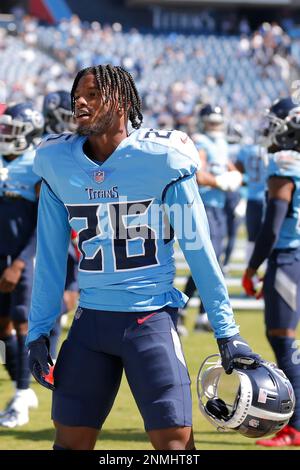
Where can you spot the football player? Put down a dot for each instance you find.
(216, 176)
(252, 162)
(234, 204)
(20, 125)
(279, 242)
(58, 119)
(125, 195)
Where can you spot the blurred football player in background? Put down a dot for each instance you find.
(234, 207)
(21, 125)
(279, 242)
(216, 176)
(252, 161)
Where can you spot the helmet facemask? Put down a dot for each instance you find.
(282, 132)
(13, 135)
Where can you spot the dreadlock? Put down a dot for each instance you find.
(114, 83)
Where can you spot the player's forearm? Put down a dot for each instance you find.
(275, 214)
(53, 235)
(199, 253)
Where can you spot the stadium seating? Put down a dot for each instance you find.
(173, 71)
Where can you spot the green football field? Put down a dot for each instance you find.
(124, 428)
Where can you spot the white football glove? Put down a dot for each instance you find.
(229, 181)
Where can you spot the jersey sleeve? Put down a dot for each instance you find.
(53, 236)
(187, 216)
(40, 158)
(37, 165)
(46, 159)
(182, 160)
(201, 143)
(169, 157)
(183, 157)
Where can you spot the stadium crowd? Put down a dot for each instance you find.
(237, 72)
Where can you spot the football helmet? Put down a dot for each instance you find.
(253, 402)
(57, 113)
(281, 126)
(211, 114)
(20, 127)
(211, 121)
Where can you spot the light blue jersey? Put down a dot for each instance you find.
(17, 178)
(233, 151)
(286, 163)
(118, 209)
(253, 159)
(217, 154)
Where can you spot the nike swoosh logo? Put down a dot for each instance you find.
(184, 140)
(142, 320)
(235, 343)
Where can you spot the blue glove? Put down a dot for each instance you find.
(39, 360)
(237, 354)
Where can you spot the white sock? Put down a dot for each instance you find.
(20, 393)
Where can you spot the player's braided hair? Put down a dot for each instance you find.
(114, 83)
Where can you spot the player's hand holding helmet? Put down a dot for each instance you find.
(40, 362)
(236, 353)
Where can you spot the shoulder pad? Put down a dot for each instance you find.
(183, 157)
(166, 138)
(47, 151)
(173, 142)
(52, 139)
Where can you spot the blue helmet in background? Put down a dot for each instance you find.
(282, 125)
(211, 114)
(21, 126)
(211, 120)
(58, 113)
